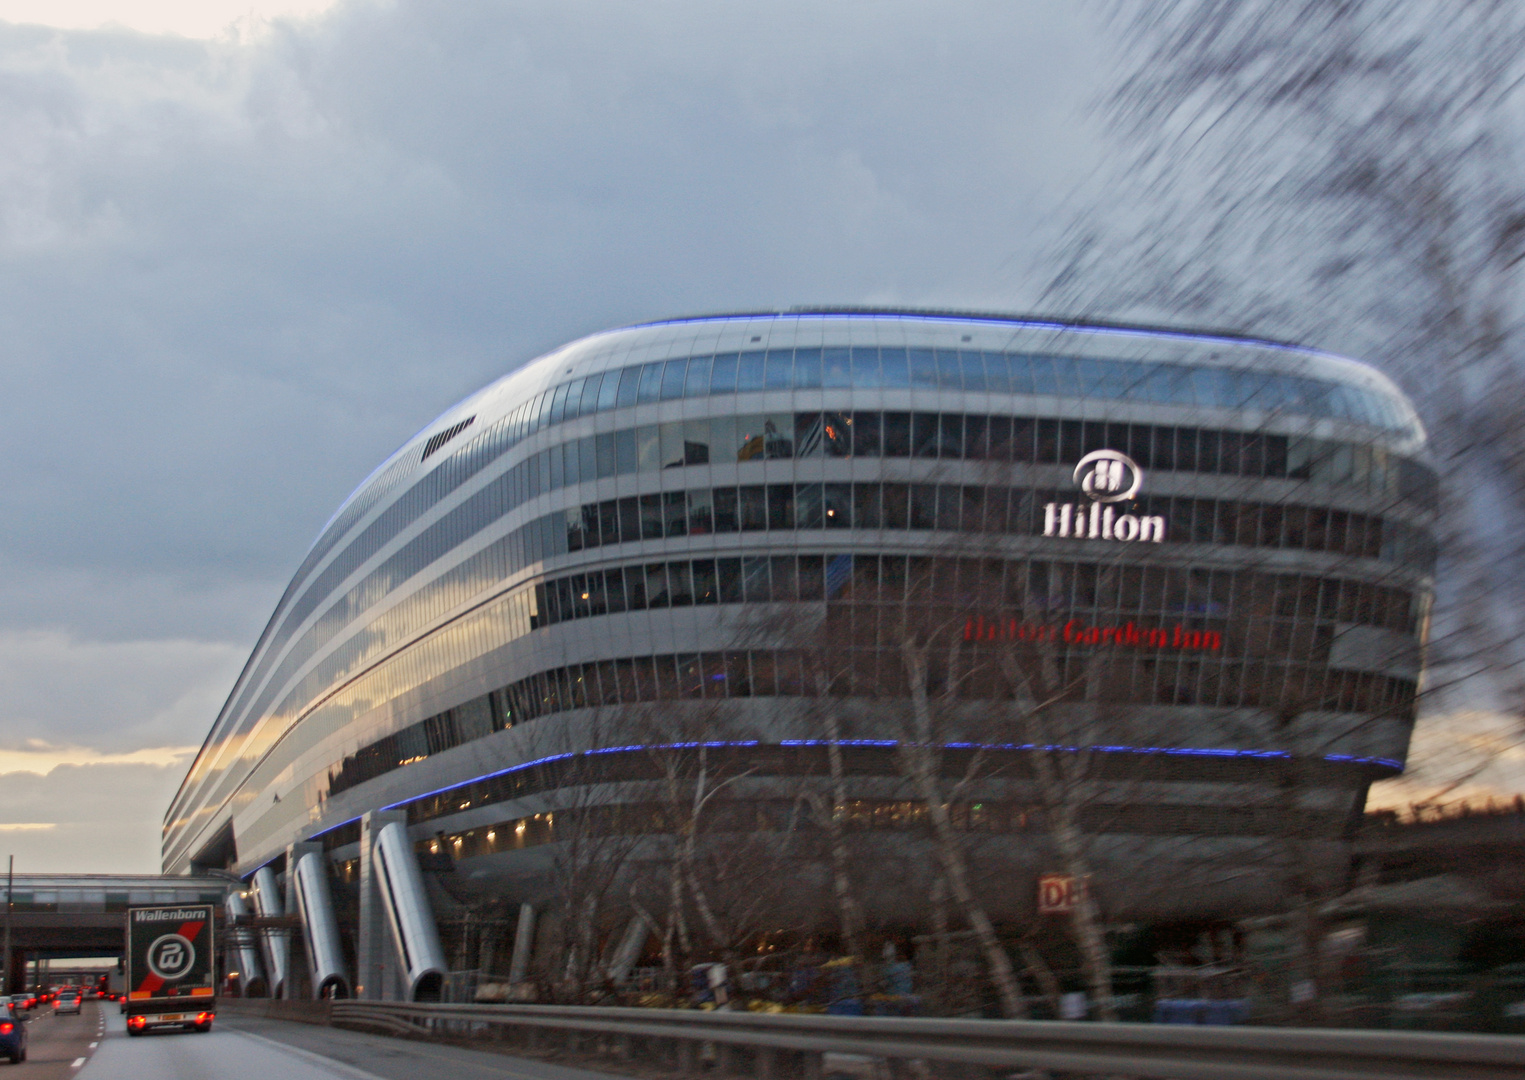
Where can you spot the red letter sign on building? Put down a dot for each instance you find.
(1058, 894)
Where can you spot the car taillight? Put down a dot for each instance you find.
(6, 1027)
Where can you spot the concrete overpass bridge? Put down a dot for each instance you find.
(59, 916)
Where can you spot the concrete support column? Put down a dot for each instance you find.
(375, 977)
(524, 944)
(268, 902)
(301, 968)
(629, 950)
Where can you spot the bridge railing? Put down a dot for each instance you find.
(776, 1046)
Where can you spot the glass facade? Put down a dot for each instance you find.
(472, 522)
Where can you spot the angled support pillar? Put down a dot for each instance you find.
(524, 944)
(269, 903)
(374, 974)
(251, 973)
(409, 914)
(629, 950)
(308, 894)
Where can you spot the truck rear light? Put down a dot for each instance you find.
(204, 1018)
(135, 1021)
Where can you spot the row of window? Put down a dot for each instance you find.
(803, 368)
(759, 507)
(1295, 613)
(1052, 587)
(950, 435)
(1227, 682)
(971, 437)
(1134, 678)
(812, 579)
(874, 434)
(966, 508)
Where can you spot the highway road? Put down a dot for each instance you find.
(251, 1049)
(58, 1045)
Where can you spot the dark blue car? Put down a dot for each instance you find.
(12, 1033)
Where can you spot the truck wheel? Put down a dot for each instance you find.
(134, 1032)
(202, 1029)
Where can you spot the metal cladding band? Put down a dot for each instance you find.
(248, 953)
(325, 957)
(267, 901)
(408, 913)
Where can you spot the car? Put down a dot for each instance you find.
(12, 1034)
(66, 1002)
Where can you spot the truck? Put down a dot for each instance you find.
(171, 978)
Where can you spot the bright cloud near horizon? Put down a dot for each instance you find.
(188, 18)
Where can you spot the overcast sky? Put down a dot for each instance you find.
(246, 249)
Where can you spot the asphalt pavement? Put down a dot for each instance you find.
(58, 1045)
(254, 1049)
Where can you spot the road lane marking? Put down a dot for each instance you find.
(77, 1063)
(94, 1045)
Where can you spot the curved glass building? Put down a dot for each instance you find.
(1224, 545)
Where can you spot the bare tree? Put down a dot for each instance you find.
(729, 857)
(591, 853)
(924, 732)
(1347, 173)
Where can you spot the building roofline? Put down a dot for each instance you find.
(1031, 320)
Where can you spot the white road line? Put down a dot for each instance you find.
(94, 1045)
(77, 1063)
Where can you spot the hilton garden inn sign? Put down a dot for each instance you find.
(1107, 477)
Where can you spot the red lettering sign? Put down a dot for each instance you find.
(1058, 894)
(1128, 636)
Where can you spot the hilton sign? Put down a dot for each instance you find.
(1107, 477)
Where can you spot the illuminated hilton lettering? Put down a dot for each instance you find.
(1107, 476)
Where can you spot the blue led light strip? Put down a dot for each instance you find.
(1276, 755)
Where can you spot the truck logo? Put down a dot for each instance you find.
(171, 956)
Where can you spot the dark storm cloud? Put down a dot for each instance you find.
(234, 275)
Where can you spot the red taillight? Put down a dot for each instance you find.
(6, 1027)
(204, 1018)
(135, 1021)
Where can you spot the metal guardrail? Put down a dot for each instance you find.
(778, 1045)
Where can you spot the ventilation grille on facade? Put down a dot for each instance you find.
(440, 439)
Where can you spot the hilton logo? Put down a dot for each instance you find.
(1107, 476)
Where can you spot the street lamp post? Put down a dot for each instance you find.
(10, 879)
